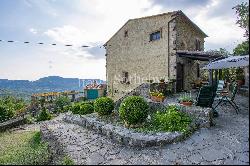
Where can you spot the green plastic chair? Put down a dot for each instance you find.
(230, 98)
(205, 98)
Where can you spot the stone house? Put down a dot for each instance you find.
(152, 48)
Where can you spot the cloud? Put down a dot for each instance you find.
(77, 37)
(215, 17)
(68, 34)
(44, 6)
(180, 3)
(32, 30)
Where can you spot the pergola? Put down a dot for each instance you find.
(214, 75)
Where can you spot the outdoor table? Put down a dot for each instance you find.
(224, 93)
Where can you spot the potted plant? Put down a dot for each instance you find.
(162, 80)
(240, 76)
(240, 79)
(157, 96)
(186, 99)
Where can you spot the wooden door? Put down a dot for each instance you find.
(180, 77)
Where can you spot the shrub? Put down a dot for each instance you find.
(86, 108)
(62, 101)
(104, 106)
(67, 108)
(44, 115)
(171, 120)
(76, 108)
(134, 110)
(90, 102)
(6, 113)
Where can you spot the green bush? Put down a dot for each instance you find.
(44, 115)
(76, 108)
(67, 108)
(170, 120)
(10, 106)
(90, 102)
(134, 110)
(104, 106)
(6, 113)
(86, 108)
(62, 101)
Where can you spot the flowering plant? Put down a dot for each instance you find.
(186, 97)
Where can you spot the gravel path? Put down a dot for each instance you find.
(225, 143)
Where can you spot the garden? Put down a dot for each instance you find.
(134, 123)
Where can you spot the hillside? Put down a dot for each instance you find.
(24, 88)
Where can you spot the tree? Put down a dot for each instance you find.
(242, 49)
(242, 10)
(220, 51)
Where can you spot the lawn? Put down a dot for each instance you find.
(23, 148)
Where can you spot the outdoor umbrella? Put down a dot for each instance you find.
(232, 61)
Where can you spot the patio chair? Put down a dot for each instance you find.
(220, 87)
(229, 98)
(205, 98)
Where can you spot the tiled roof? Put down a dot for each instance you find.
(95, 86)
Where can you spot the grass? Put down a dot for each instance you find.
(67, 161)
(23, 148)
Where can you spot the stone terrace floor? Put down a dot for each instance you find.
(225, 143)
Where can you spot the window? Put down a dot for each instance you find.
(124, 77)
(126, 34)
(197, 45)
(155, 36)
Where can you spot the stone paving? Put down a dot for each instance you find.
(225, 143)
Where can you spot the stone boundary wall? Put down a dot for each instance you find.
(203, 116)
(124, 136)
(56, 148)
(12, 123)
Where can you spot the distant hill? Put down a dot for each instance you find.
(45, 84)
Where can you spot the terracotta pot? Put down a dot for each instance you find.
(157, 99)
(186, 103)
(240, 82)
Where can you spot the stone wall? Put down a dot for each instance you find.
(136, 54)
(56, 147)
(124, 136)
(12, 123)
(185, 40)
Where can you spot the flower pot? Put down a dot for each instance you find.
(157, 99)
(240, 82)
(186, 103)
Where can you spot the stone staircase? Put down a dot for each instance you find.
(141, 90)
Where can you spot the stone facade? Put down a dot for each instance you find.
(130, 50)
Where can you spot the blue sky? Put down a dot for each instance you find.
(84, 22)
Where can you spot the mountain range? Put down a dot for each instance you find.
(45, 84)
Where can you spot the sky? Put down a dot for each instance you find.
(92, 23)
